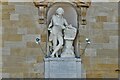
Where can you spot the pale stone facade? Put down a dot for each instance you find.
(22, 57)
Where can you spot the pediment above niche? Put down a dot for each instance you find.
(62, 0)
(79, 3)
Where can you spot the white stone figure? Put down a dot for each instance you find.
(57, 24)
(69, 36)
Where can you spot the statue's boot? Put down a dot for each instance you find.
(53, 55)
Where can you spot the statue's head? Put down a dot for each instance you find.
(60, 11)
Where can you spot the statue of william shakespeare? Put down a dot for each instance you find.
(61, 35)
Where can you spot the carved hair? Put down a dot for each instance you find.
(60, 11)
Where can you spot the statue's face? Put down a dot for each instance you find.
(60, 11)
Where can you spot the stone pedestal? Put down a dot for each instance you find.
(62, 68)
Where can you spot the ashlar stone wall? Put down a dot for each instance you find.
(23, 58)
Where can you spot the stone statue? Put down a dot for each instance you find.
(61, 32)
(57, 25)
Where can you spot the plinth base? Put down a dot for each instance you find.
(62, 68)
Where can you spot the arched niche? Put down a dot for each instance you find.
(70, 14)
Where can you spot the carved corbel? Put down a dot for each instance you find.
(83, 6)
(41, 11)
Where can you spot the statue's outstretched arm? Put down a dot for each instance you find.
(65, 22)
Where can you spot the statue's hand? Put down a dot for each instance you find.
(49, 29)
(69, 26)
(63, 27)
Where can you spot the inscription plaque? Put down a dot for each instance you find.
(62, 68)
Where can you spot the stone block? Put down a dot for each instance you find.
(110, 26)
(110, 32)
(31, 30)
(5, 16)
(39, 68)
(39, 59)
(114, 39)
(40, 31)
(93, 45)
(14, 61)
(101, 39)
(25, 16)
(62, 68)
(27, 23)
(112, 53)
(106, 67)
(104, 60)
(22, 9)
(14, 17)
(33, 75)
(30, 37)
(90, 52)
(16, 3)
(5, 2)
(101, 18)
(82, 38)
(14, 44)
(12, 37)
(5, 75)
(17, 52)
(10, 30)
(44, 37)
(7, 23)
(98, 25)
(8, 8)
(20, 51)
(95, 74)
(5, 51)
(111, 74)
(16, 75)
(32, 45)
(30, 59)
(34, 30)
(15, 69)
(110, 46)
(22, 31)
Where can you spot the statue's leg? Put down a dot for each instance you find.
(54, 44)
(60, 40)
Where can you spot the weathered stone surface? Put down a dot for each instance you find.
(62, 68)
(30, 37)
(101, 39)
(14, 17)
(19, 33)
(14, 44)
(39, 67)
(5, 16)
(101, 19)
(5, 51)
(22, 31)
(5, 75)
(9, 30)
(32, 45)
(113, 53)
(8, 8)
(110, 26)
(12, 37)
(90, 52)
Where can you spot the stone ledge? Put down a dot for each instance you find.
(62, 59)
